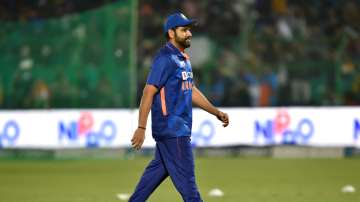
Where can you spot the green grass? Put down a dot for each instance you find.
(243, 180)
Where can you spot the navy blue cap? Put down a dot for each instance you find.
(177, 20)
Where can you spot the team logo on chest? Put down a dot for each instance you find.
(182, 64)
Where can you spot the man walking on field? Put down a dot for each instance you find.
(170, 93)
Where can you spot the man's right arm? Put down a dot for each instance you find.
(144, 109)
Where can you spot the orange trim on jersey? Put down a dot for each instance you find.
(186, 85)
(163, 101)
(186, 55)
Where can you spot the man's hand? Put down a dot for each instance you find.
(138, 138)
(144, 109)
(223, 117)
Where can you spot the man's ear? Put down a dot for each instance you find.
(171, 33)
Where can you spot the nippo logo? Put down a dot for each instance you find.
(9, 133)
(281, 130)
(356, 130)
(204, 134)
(84, 132)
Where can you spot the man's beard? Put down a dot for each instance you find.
(183, 42)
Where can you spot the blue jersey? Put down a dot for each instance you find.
(171, 109)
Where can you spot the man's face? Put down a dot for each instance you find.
(183, 36)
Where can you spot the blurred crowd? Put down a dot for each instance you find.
(19, 10)
(266, 52)
(73, 61)
(243, 53)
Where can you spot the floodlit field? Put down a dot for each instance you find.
(243, 180)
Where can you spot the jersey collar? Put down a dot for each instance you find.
(176, 51)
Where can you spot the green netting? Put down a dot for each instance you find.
(82, 58)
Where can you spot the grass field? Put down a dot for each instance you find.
(243, 180)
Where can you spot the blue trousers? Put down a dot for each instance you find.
(174, 158)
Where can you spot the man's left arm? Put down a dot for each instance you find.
(201, 101)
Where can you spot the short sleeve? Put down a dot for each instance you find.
(160, 71)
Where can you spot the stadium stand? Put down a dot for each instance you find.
(268, 53)
(245, 53)
(77, 60)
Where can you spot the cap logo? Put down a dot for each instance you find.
(183, 16)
